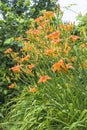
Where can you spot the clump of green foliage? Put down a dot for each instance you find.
(52, 67)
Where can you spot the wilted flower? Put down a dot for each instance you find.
(67, 48)
(31, 66)
(32, 90)
(8, 50)
(84, 45)
(19, 39)
(11, 86)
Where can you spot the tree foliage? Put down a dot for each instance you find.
(39, 5)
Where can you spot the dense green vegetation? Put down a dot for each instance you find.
(43, 70)
(17, 16)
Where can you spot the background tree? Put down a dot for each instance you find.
(39, 5)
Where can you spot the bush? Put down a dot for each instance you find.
(50, 72)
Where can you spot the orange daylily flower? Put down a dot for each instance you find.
(43, 79)
(23, 49)
(30, 48)
(39, 19)
(48, 14)
(61, 65)
(26, 58)
(49, 51)
(31, 66)
(67, 48)
(74, 38)
(8, 50)
(67, 27)
(44, 24)
(36, 32)
(16, 58)
(38, 39)
(18, 39)
(57, 41)
(11, 86)
(57, 66)
(84, 45)
(16, 68)
(15, 53)
(32, 90)
(54, 35)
